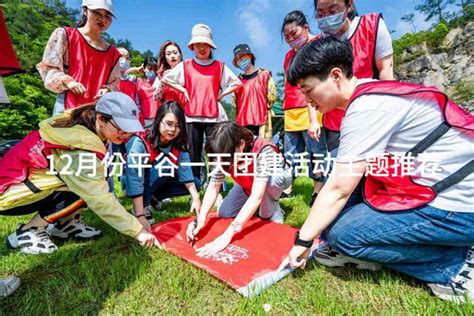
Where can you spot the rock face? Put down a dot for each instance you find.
(450, 68)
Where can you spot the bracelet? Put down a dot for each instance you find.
(302, 243)
(137, 216)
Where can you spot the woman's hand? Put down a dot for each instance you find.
(76, 87)
(158, 91)
(194, 227)
(146, 239)
(195, 205)
(186, 95)
(296, 258)
(220, 243)
(314, 131)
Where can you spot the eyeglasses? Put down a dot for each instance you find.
(119, 130)
(106, 16)
(170, 126)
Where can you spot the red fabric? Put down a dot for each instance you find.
(31, 153)
(246, 181)
(257, 250)
(363, 43)
(251, 100)
(170, 94)
(89, 66)
(396, 192)
(294, 98)
(203, 85)
(153, 153)
(9, 64)
(128, 87)
(148, 105)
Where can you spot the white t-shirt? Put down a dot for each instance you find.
(383, 46)
(374, 125)
(229, 79)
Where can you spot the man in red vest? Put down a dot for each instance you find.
(416, 149)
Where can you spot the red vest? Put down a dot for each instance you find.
(19, 162)
(294, 98)
(397, 192)
(89, 66)
(148, 105)
(251, 100)
(363, 42)
(128, 87)
(170, 94)
(203, 85)
(246, 181)
(145, 138)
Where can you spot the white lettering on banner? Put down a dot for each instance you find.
(230, 255)
(139, 161)
(165, 166)
(218, 163)
(301, 164)
(109, 160)
(272, 164)
(242, 162)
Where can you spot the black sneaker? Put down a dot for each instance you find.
(329, 257)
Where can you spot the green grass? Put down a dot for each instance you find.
(114, 275)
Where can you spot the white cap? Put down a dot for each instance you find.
(99, 4)
(122, 109)
(201, 33)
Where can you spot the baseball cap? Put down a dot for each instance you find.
(99, 4)
(122, 109)
(241, 49)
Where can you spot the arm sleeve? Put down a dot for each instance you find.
(176, 75)
(383, 47)
(185, 173)
(94, 190)
(51, 67)
(229, 79)
(134, 183)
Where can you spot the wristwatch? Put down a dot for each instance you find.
(301, 242)
(236, 226)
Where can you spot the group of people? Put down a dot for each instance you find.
(340, 97)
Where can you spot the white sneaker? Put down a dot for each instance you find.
(329, 257)
(31, 241)
(461, 288)
(8, 285)
(278, 217)
(73, 228)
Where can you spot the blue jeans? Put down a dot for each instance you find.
(59, 105)
(427, 243)
(296, 142)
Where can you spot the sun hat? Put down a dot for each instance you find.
(201, 33)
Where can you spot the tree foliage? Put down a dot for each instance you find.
(30, 24)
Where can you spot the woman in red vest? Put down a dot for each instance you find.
(78, 63)
(56, 170)
(165, 157)
(203, 81)
(372, 43)
(169, 56)
(260, 174)
(415, 147)
(144, 89)
(302, 128)
(127, 81)
(254, 99)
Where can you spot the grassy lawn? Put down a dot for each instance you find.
(114, 275)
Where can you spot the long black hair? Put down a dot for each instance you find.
(351, 15)
(150, 61)
(295, 16)
(180, 142)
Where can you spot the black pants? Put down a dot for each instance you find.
(196, 138)
(254, 129)
(55, 206)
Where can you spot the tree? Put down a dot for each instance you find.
(435, 9)
(410, 19)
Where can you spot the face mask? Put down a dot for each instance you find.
(331, 24)
(297, 43)
(150, 75)
(124, 63)
(244, 64)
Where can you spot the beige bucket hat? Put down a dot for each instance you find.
(201, 33)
